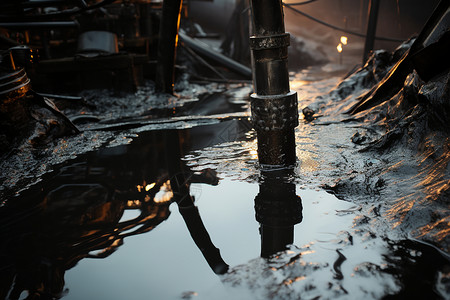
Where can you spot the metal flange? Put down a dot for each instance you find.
(270, 41)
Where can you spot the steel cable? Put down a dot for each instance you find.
(288, 5)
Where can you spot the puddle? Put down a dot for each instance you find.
(166, 264)
(120, 223)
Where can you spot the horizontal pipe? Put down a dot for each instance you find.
(204, 49)
(34, 4)
(61, 97)
(39, 25)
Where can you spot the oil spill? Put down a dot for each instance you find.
(141, 221)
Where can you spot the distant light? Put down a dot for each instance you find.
(339, 48)
(148, 187)
(344, 40)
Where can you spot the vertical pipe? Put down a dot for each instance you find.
(371, 28)
(273, 105)
(167, 45)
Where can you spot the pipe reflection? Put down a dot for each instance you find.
(277, 209)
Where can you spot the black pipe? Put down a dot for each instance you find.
(371, 28)
(39, 25)
(34, 4)
(274, 106)
(167, 45)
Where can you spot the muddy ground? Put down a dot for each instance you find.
(389, 162)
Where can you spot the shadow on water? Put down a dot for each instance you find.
(88, 206)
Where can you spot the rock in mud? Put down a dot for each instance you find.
(360, 138)
(308, 114)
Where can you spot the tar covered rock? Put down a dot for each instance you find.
(308, 114)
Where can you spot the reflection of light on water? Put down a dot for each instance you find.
(165, 193)
(440, 229)
(306, 150)
(254, 154)
(307, 160)
(429, 188)
(290, 281)
(148, 187)
(295, 84)
(133, 203)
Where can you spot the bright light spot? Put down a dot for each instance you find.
(139, 188)
(165, 193)
(339, 48)
(254, 154)
(296, 84)
(133, 203)
(344, 40)
(148, 187)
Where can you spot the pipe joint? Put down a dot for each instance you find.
(269, 42)
(274, 112)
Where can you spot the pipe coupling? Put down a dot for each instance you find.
(274, 112)
(269, 42)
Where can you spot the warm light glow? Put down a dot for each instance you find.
(339, 48)
(133, 203)
(291, 281)
(254, 154)
(344, 40)
(165, 193)
(148, 187)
